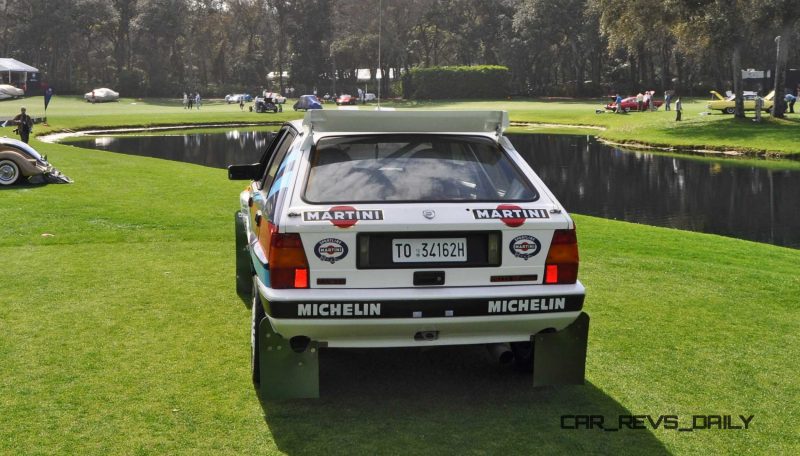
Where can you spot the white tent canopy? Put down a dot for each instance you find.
(16, 66)
(13, 66)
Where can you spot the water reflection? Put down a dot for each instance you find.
(217, 149)
(588, 177)
(728, 199)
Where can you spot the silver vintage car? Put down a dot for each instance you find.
(19, 160)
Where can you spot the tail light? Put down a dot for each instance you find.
(288, 266)
(561, 265)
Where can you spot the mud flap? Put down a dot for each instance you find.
(244, 270)
(284, 373)
(559, 358)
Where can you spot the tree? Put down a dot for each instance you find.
(552, 47)
(782, 16)
(310, 34)
(126, 13)
(718, 25)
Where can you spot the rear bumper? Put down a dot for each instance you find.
(392, 317)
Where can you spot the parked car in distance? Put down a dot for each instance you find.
(236, 98)
(101, 95)
(276, 97)
(345, 99)
(268, 104)
(727, 105)
(629, 104)
(362, 229)
(306, 102)
(9, 91)
(20, 161)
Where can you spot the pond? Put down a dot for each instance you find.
(727, 197)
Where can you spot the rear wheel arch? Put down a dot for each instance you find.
(244, 265)
(255, 332)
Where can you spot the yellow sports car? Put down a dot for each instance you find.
(728, 104)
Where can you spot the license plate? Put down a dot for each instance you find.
(429, 250)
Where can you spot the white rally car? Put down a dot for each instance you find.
(404, 229)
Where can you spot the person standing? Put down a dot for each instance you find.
(639, 101)
(185, 100)
(197, 100)
(645, 101)
(618, 104)
(667, 99)
(241, 103)
(790, 100)
(759, 106)
(678, 109)
(24, 125)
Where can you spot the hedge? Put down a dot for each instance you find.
(484, 81)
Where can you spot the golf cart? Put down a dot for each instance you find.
(270, 102)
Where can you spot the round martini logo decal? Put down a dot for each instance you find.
(525, 246)
(330, 250)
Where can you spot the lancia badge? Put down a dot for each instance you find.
(429, 214)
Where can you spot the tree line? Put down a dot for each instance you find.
(551, 47)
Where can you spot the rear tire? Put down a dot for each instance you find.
(729, 110)
(255, 334)
(9, 172)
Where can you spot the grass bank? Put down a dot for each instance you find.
(121, 333)
(717, 132)
(714, 131)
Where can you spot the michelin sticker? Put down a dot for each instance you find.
(331, 250)
(525, 246)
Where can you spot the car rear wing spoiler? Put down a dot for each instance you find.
(407, 122)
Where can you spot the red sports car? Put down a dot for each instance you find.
(629, 104)
(346, 100)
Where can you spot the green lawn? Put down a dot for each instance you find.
(121, 333)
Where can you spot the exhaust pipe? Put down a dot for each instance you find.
(299, 344)
(428, 336)
(501, 352)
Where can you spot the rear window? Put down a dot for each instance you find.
(430, 168)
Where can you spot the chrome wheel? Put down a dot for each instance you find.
(9, 172)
